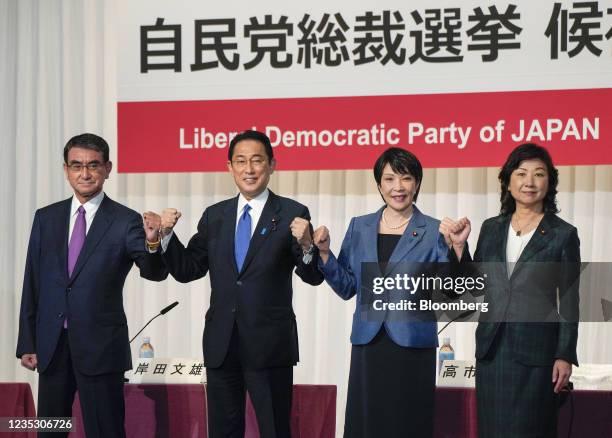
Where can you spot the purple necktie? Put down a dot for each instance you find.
(76, 244)
(76, 240)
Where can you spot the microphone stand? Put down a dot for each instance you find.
(162, 312)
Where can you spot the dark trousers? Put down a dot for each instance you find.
(270, 390)
(101, 396)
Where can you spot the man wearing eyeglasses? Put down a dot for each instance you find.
(250, 245)
(72, 326)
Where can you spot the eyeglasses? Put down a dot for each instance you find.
(93, 166)
(241, 163)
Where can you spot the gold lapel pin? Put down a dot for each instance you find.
(414, 234)
(542, 232)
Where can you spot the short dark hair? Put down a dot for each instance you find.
(528, 151)
(251, 135)
(87, 141)
(403, 162)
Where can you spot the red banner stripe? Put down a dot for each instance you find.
(443, 130)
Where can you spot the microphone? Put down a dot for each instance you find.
(162, 312)
(168, 308)
(461, 316)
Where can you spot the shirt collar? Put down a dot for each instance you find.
(257, 203)
(90, 206)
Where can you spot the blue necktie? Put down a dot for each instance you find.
(243, 237)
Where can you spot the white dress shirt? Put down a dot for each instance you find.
(515, 246)
(257, 205)
(91, 207)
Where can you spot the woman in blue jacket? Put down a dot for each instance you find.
(393, 361)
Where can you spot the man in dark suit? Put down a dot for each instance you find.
(250, 244)
(72, 325)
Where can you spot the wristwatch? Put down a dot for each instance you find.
(307, 257)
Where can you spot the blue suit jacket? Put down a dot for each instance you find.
(92, 298)
(421, 242)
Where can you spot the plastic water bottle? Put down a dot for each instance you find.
(146, 349)
(446, 353)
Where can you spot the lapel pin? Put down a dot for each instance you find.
(542, 232)
(274, 224)
(263, 232)
(414, 234)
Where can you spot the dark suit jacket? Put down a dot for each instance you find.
(92, 299)
(259, 298)
(549, 265)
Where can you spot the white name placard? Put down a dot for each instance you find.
(168, 370)
(457, 374)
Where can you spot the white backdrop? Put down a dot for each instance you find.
(58, 78)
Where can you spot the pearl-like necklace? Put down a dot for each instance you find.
(396, 227)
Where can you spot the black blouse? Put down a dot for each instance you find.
(386, 244)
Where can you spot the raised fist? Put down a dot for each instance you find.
(169, 218)
(321, 238)
(300, 229)
(456, 232)
(152, 225)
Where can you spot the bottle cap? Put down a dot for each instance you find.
(446, 341)
(146, 340)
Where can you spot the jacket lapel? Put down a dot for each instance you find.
(370, 236)
(410, 238)
(500, 237)
(499, 242)
(228, 233)
(268, 223)
(61, 227)
(101, 222)
(543, 235)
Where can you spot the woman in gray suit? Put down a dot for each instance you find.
(524, 352)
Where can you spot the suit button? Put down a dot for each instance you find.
(68, 289)
(60, 315)
(233, 310)
(239, 283)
